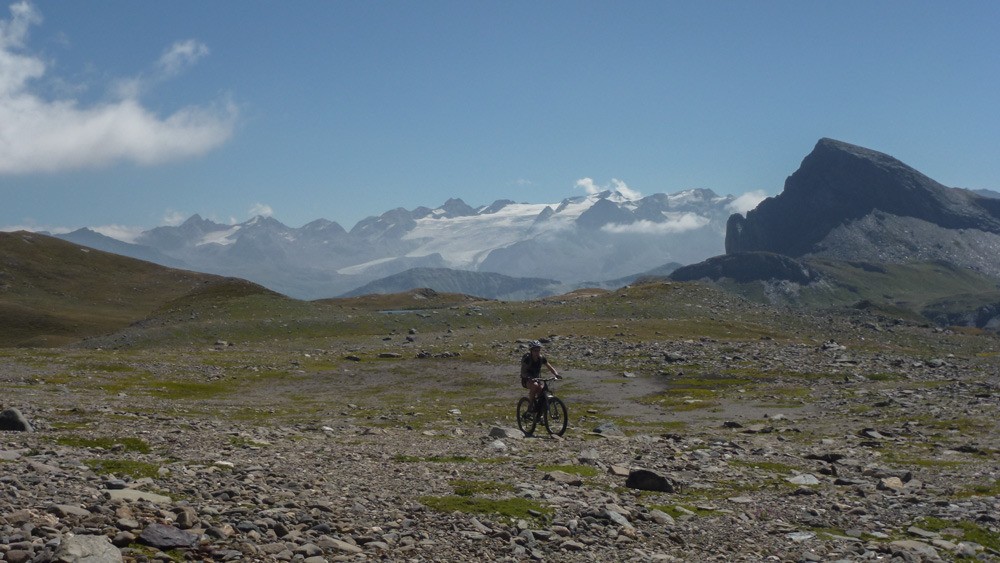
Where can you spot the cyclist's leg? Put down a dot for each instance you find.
(534, 388)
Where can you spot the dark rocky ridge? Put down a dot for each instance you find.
(839, 183)
(748, 267)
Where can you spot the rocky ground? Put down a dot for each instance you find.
(679, 450)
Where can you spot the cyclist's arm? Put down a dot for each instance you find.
(552, 369)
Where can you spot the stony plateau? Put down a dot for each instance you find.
(702, 428)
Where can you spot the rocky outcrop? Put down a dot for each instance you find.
(747, 267)
(838, 184)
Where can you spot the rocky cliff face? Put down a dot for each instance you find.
(837, 186)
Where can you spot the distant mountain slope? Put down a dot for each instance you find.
(605, 235)
(935, 291)
(54, 292)
(478, 284)
(852, 203)
(93, 239)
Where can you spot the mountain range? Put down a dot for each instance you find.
(853, 227)
(585, 239)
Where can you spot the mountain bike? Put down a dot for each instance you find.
(549, 410)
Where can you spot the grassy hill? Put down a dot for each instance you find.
(53, 292)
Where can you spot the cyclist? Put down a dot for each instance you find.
(531, 369)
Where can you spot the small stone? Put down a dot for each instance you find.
(890, 484)
(618, 471)
(344, 546)
(803, 479)
(18, 556)
(915, 547)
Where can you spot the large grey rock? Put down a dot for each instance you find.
(162, 536)
(646, 480)
(87, 549)
(12, 419)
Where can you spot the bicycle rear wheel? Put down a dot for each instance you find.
(555, 417)
(525, 420)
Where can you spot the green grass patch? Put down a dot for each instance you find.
(132, 468)
(175, 555)
(886, 377)
(962, 530)
(980, 490)
(581, 470)
(513, 508)
(106, 367)
(106, 443)
(242, 442)
(910, 459)
(467, 488)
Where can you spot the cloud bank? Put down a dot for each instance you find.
(53, 135)
(747, 201)
(588, 185)
(677, 223)
(261, 209)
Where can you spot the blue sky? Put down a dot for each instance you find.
(128, 115)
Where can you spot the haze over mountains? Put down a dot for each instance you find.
(852, 225)
(593, 238)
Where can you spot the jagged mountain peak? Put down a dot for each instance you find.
(264, 221)
(496, 206)
(839, 183)
(454, 207)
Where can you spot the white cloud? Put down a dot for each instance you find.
(120, 232)
(261, 209)
(591, 188)
(681, 223)
(588, 186)
(747, 201)
(181, 55)
(173, 218)
(174, 60)
(43, 135)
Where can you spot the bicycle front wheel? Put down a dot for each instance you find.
(555, 417)
(525, 420)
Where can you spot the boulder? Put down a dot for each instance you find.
(87, 549)
(12, 419)
(162, 536)
(646, 480)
